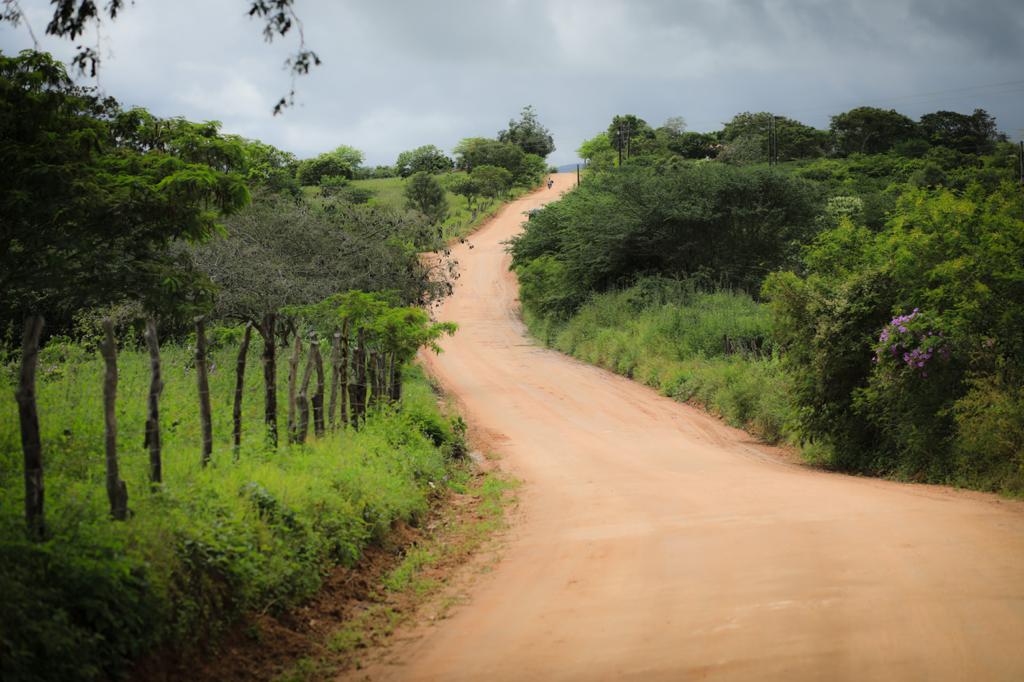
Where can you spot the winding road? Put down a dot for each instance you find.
(655, 543)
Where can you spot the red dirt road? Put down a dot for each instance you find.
(656, 543)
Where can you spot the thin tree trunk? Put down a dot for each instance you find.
(293, 377)
(156, 387)
(203, 383)
(396, 379)
(373, 378)
(117, 491)
(357, 390)
(268, 330)
(332, 404)
(343, 374)
(236, 413)
(318, 396)
(396, 382)
(28, 416)
(303, 399)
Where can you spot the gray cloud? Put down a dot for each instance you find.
(403, 73)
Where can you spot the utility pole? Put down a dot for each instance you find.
(618, 143)
(577, 175)
(629, 140)
(1022, 162)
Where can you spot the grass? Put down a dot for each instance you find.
(256, 534)
(420, 576)
(708, 348)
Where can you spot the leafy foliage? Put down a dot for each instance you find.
(93, 195)
(427, 158)
(424, 193)
(528, 134)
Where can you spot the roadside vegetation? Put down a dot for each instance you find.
(208, 400)
(856, 292)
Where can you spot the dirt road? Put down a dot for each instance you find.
(657, 544)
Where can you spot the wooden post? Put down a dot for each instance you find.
(332, 405)
(357, 390)
(28, 417)
(117, 491)
(236, 412)
(302, 402)
(268, 330)
(343, 374)
(293, 377)
(203, 384)
(156, 387)
(318, 395)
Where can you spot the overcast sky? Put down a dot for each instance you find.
(401, 73)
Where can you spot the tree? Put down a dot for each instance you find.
(528, 134)
(71, 18)
(493, 181)
(313, 171)
(481, 151)
(598, 152)
(427, 158)
(465, 185)
(631, 135)
(691, 145)
(424, 193)
(970, 134)
(869, 130)
(794, 139)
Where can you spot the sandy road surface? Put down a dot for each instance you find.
(657, 544)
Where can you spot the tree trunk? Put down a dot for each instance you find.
(374, 378)
(203, 383)
(357, 390)
(236, 412)
(318, 396)
(303, 399)
(156, 387)
(28, 416)
(343, 375)
(332, 405)
(396, 386)
(117, 491)
(395, 371)
(293, 378)
(268, 331)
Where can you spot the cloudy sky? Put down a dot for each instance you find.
(401, 73)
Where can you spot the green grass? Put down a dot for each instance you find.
(712, 349)
(252, 535)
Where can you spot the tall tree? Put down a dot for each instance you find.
(427, 158)
(869, 130)
(528, 134)
(424, 193)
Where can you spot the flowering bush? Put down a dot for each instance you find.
(911, 341)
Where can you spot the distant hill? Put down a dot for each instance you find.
(569, 167)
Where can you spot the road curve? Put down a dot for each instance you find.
(656, 543)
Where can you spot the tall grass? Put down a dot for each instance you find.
(711, 348)
(252, 534)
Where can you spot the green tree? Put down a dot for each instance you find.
(598, 152)
(493, 181)
(528, 134)
(794, 139)
(312, 171)
(424, 193)
(632, 135)
(481, 151)
(427, 158)
(869, 130)
(976, 133)
(465, 185)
